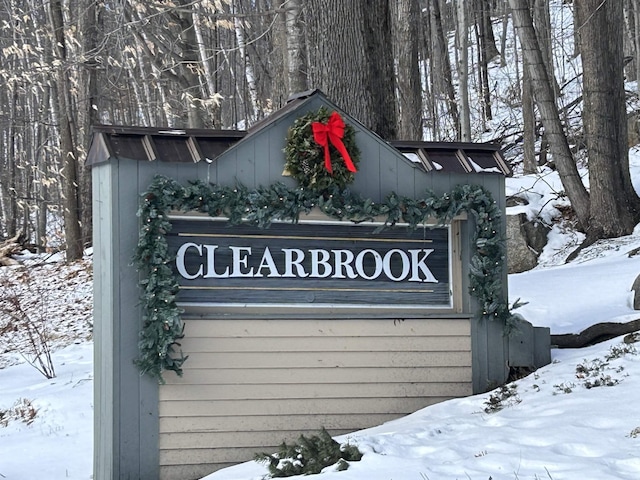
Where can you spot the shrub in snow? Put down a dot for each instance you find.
(26, 328)
(504, 396)
(23, 410)
(309, 456)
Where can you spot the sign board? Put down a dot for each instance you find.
(319, 263)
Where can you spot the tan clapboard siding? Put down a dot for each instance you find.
(353, 344)
(322, 406)
(280, 391)
(256, 440)
(341, 327)
(250, 384)
(191, 471)
(209, 455)
(253, 423)
(281, 359)
(299, 375)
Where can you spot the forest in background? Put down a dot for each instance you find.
(551, 80)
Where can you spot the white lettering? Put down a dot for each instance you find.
(211, 263)
(406, 265)
(240, 260)
(267, 262)
(343, 259)
(418, 265)
(182, 270)
(396, 264)
(320, 258)
(377, 258)
(290, 262)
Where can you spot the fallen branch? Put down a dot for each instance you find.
(11, 247)
(597, 333)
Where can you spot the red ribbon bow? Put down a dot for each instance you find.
(332, 132)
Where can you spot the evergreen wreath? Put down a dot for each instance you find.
(162, 326)
(304, 157)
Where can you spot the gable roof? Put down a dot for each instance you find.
(195, 145)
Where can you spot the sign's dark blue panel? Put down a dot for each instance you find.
(310, 263)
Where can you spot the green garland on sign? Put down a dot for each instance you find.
(304, 157)
(162, 325)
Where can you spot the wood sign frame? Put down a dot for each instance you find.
(321, 263)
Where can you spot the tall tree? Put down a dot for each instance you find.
(440, 63)
(484, 7)
(404, 28)
(462, 46)
(379, 56)
(529, 125)
(635, 7)
(486, 52)
(549, 116)
(542, 27)
(349, 51)
(295, 57)
(68, 148)
(612, 208)
(615, 206)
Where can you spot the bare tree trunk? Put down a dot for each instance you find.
(252, 107)
(503, 37)
(11, 191)
(189, 68)
(516, 59)
(542, 26)
(295, 57)
(42, 170)
(615, 207)
(337, 65)
(636, 17)
(341, 51)
(68, 150)
(577, 29)
(483, 60)
(404, 28)
(8, 178)
(543, 94)
(379, 58)
(462, 36)
(87, 108)
(629, 40)
(529, 124)
(213, 98)
(441, 67)
(489, 40)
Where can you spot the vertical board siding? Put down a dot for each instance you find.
(252, 383)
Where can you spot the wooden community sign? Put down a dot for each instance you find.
(319, 263)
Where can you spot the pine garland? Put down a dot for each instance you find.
(304, 158)
(162, 325)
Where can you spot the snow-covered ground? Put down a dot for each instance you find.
(550, 426)
(58, 443)
(46, 425)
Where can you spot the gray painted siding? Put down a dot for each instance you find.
(126, 404)
(251, 383)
